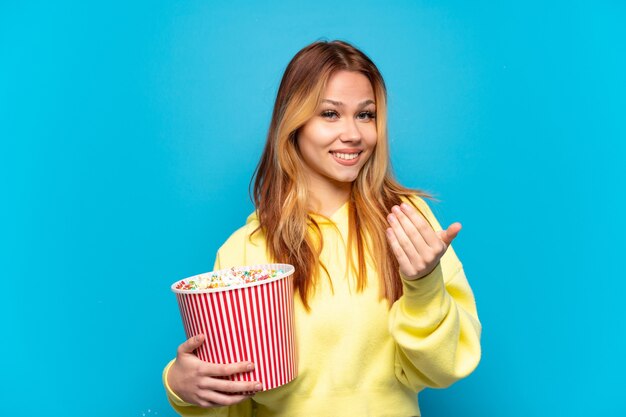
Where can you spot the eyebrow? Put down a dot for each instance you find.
(340, 104)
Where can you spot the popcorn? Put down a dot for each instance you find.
(227, 278)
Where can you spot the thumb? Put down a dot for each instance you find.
(448, 235)
(191, 344)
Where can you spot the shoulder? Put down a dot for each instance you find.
(245, 233)
(246, 246)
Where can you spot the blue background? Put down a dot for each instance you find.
(129, 132)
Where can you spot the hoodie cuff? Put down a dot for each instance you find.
(174, 398)
(427, 287)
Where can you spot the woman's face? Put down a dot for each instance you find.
(339, 139)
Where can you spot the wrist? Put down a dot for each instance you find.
(170, 383)
(420, 276)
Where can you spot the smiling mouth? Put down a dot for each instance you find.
(346, 156)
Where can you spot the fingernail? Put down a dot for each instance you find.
(258, 387)
(250, 366)
(405, 206)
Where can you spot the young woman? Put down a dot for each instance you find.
(383, 308)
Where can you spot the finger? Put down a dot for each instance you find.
(403, 261)
(410, 248)
(420, 222)
(215, 369)
(229, 387)
(191, 344)
(448, 235)
(213, 398)
(412, 230)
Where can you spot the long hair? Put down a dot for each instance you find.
(280, 191)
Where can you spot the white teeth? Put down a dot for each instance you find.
(346, 156)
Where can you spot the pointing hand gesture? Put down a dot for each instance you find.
(416, 246)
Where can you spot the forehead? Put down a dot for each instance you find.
(349, 86)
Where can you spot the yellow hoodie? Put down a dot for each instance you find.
(357, 357)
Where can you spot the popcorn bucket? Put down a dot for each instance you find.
(250, 321)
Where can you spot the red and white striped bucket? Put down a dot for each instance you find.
(250, 322)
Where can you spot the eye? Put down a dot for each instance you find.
(366, 115)
(330, 114)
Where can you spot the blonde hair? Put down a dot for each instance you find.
(280, 192)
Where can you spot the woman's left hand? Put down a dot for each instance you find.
(415, 244)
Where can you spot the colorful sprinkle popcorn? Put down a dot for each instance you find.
(227, 278)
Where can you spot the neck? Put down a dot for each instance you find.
(326, 198)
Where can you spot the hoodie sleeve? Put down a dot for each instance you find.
(435, 324)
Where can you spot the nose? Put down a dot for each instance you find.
(350, 131)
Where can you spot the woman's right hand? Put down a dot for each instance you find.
(198, 382)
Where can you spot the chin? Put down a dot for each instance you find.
(346, 178)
